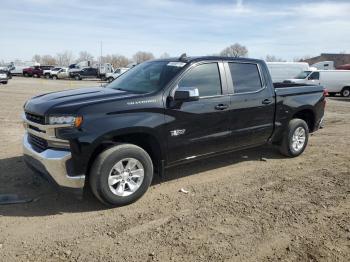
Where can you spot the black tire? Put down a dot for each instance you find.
(26, 74)
(77, 77)
(47, 76)
(345, 92)
(35, 76)
(331, 94)
(102, 167)
(286, 147)
(5, 83)
(110, 79)
(54, 77)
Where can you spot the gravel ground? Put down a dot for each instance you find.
(253, 205)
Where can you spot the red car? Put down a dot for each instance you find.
(35, 71)
(344, 67)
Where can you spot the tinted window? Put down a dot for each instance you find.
(245, 77)
(147, 77)
(314, 76)
(205, 77)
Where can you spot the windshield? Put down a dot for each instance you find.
(147, 77)
(303, 75)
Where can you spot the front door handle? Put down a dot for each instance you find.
(267, 101)
(221, 107)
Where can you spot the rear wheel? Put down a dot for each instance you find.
(26, 74)
(47, 76)
(54, 77)
(121, 175)
(77, 77)
(345, 92)
(295, 138)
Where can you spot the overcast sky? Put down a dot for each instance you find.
(286, 29)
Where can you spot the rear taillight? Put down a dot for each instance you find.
(325, 92)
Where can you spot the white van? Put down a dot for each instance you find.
(281, 71)
(335, 81)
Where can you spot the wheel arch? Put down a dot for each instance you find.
(308, 115)
(142, 138)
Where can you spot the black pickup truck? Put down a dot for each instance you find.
(163, 113)
(87, 72)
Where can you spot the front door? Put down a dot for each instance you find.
(200, 127)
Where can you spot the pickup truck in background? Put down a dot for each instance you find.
(163, 113)
(48, 73)
(35, 71)
(3, 76)
(111, 76)
(87, 72)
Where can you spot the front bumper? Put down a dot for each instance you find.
(53, 164)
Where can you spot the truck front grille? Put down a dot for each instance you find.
(35, 118)
(39, 144)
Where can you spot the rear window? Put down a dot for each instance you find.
(245, 77)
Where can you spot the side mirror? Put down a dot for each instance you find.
(186, 94)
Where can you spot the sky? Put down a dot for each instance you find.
(286, 29)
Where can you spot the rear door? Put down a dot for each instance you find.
(200, 127)
(252, 106)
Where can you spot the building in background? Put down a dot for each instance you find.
(338, 59)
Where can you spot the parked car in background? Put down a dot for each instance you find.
(164, 113)
(3, 76)
(324, 65)
(104, 70)
(281, 71)
(17, 70)
(344, 67)
(111, 76)
(87, 72)
(335, 81)
(63, 73)
(47, 73)
(35, 71)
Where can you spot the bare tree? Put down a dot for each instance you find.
(164, 55)
(48, 60)
(142, 56)
(116, 60)
(36, 58)
(302, 59)
(85, 56)
(235, 50)
(65, 58)
(272, 58)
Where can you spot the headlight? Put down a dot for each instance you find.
(63, 120)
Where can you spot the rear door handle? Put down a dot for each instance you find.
(267, 101)
(221, 107)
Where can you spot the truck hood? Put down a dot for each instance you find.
(71, 100)
(294, 80)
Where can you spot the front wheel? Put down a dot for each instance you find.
(295, 138)
(121, 174)
(110, 79)
(345, 92)
(77, 77)
(54, 77)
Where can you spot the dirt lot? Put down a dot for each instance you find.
(239, 208)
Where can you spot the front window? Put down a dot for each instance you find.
(147, 77)
(303, 75)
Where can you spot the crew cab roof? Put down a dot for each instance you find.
(195, 59)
